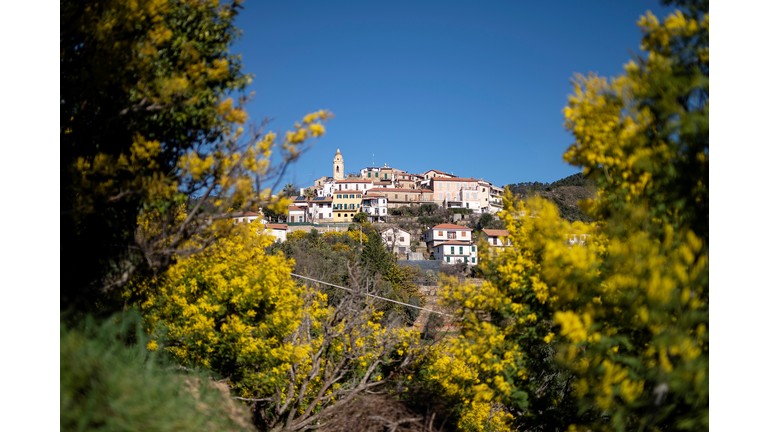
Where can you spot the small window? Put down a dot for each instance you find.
(402, 239)
(461, 250)
(473, 249)
(369, 175)
(452, 250)
(447, 259)
(466, 259)
(377, 175)
(473, 260)
(440, 233)
(359, 195)
(463, 233)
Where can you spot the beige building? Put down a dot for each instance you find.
(338, 166)
(398, 197)
(396, 240)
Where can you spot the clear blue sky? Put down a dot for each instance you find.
(473, 88)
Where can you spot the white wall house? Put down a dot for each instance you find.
(447, 232)
(396, 240)
(320, 209)
(328, 188)
(297, 214)
(353, 185)
(494, 239)
(375, 206)
(278, 231)
(576, 239)
(454, 252)
(247, 217)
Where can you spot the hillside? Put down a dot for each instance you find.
(566, 193)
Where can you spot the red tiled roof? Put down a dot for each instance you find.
(278, 226)
(249, 214)
(354, 181)
(496, 232)
(455, 242)
(437, 171)
(394, 190)
(296, 208)
(373, 196)
(457, 179)
(451, 226)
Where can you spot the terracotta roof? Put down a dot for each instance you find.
(394, 190)
(278, 226)
(457, 179)
(496, 232)
(373, 196)
(455, 242)
(250, 213)
(296, 208)
(451, 226)
(437, 171)
(354, 181)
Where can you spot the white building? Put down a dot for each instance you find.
(297, 214)
(396, 240)
(321, 209)
(247, 217)
(454, 252)
(356, 185)
(494, 239)
(576, 239)
(375, 206)
(278, 231)
(447, 232)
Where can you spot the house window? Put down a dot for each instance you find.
(395, 196)
(440, 233)
(321, 216)
(451, 234)
(369, 175)
(345, 206)
(447, 259)
(473, 248)
(473, 260)
(389, 239)
(494, 241)
(359, 195)
(466, 259)
(461, 250)
(463, 233)
(452, 250)
(402, 239)
(377, 175)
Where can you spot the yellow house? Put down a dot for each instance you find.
(346, 205)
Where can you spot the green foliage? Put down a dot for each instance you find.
(360, 217)
(430, 220)
(612, 334)
(375, 258)
(109, 381)
(463, 211)
(122, 85)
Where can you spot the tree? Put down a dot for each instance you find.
(147, 122)
(309, 193)
(289, 190)
(612, 334)
(235, 310)
(360, 217)
(374, 257)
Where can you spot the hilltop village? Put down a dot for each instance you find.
(449, 206)
(377, 190)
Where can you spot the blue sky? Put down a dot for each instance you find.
(473, 88)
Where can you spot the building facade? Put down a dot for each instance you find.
(396, 240)
(346, 205)
(454, 252)
(375, 206)
(447, 232)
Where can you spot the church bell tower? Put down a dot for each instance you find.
(338, 166)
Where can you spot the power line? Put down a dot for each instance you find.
(371, 295)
